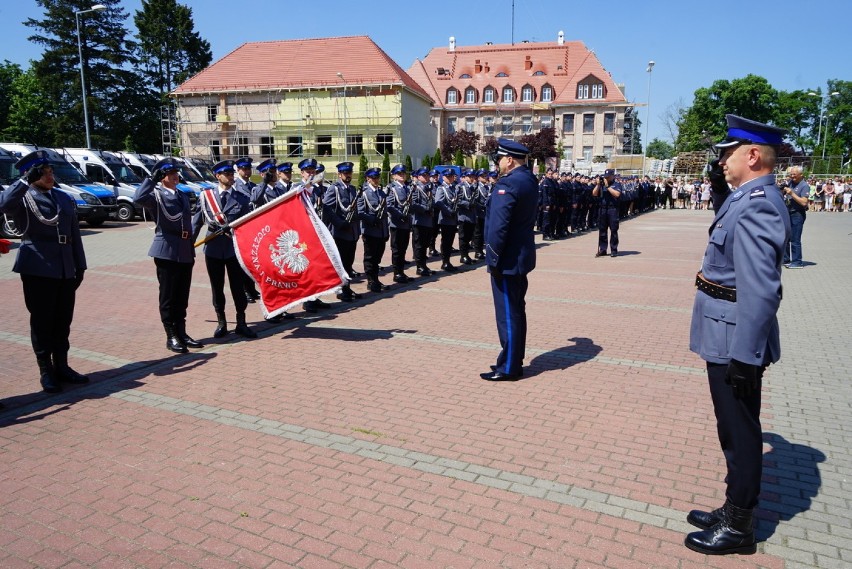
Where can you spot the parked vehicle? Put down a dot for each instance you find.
(107, 169)
(95, 203)
(8, 174)
(142, 164)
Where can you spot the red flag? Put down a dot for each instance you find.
(288, 252)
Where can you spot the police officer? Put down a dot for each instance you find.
(446, 202)
(285, 177)
(609, 192)
(243, 185)
(310, 188)
(267, 190)
(340, 213)
(480, 202)
(319, 188)
(399, 220)
(549, 204)
(372, 211)
(216, 208)
(434, 182)
(466, 212)
(172, 248)
(510, 254)
(422, 204)
(51, 263)
(734, 324)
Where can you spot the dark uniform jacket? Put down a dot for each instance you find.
(509, 222)
(53, 251)
(171, 212)
(243, 187)
(263, 193)
(445, 200)
(339, 201)
(422, 203)
(465, 195)
(397, 199)
(235, 206)
(372, 212)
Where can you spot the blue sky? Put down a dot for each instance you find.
(793, 44)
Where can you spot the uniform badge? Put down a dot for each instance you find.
(501, 192)
(290, 253)
(758, 193)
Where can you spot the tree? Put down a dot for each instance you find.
(8, 73)
(385, 169)
(458, 158)
(837, 126)
(459, 141)
(32, 113)
(542, 144)
(437, 160)
(797, 112)
(427, 162)
(170, 49)
(363, 165)
(659, 149)
(409, 165)
(489, 146)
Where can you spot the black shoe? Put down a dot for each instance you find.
(250, 299)
(424, 271)
(273, 319)
(309, 307)
(376, 286)
(448, 267)
(46, 377)
(614, 254)
(401, 278)
(185, 338)
(244, 331)
(356, 295)
(175, 345)
(433, 253)
(222, 325)
(600, 254)
(355, 274)
(345, 297)
(704, 520)
(733, 534)
(466, 261)
(500, 376)
(321, 305)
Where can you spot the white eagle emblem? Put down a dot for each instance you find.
(290, 253)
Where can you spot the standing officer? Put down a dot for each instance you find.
(399, 218)
(510, 254)
(734, 325)
(51, 263)
(243, 185)
(796, 193)
(466, 211)
(267, 190)
(216, 209)
(340, 212)
(310, 189)
(446, 202)
(434, 182)
(422, 203)
(285, 177)
(480, 201)
(172, 249)
(372, 210)
(609, 192)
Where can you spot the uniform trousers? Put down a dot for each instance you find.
(608, 220)
(175, 280)
(347, 253)
(508, 292)
(216, 269)
(374, 249)
(399, 239)
(448, 235)
(465, 237)
(479, 233)
(436, 229)
(420, 236)
(50, 303)
(738, 426)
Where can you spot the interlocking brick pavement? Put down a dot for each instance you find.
(363, 437)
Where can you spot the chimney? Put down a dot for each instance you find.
(560, 38)
(477, 68)
(452, 43)
(528, 63)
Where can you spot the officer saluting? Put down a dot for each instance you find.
(267, 190)
(172, 249)
(510, 253)
(340, 214)
(51, 263)
(734, 325)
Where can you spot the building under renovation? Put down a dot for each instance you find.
(329, 98)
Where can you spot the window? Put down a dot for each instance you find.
(508, 125)
(212, 110)
(469, 123)
(384, 143)
(464, 76)
(354, 144)
(324, 146)
(469, 96)
(568, 123)
(527, 94)
(568, 153)
(215, 151)
(609, 123)
(241, 146)
(489, 125)
(489, 95)
(582, 91)
(294, 146)
(508, 95)
(452, 97)
(538, 73)
(96, 173)
(608, 152)
(546, 94)
(526, 125)
(501, 74)
(589, 122)
(451, 125)
(547, 121)
(587, 153)
(597, 91)
(267, 147)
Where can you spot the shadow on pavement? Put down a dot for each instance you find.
(791, 479)
(582, 350)
(346, 334)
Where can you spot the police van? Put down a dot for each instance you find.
(107, 169)
(95, 203)
(142, 164)
(204, 168)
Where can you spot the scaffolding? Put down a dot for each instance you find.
(168, 127)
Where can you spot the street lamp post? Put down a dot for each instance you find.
(95, 8)
(345, 120)
(648, 117)
(823, 105)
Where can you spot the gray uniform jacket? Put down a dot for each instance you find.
(397, 198)
(445, 201)
(235, 206)
(170, 211)
(338, 202)
(422, 203)
(745, 251)
(372, 211)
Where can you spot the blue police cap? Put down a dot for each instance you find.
(223, 166)
(373, 173)
(398, 169)
(433, 172)
(267, 164)
(506, 147)
(320, 168)
(449, 172)
(493, 174)
(345, 167)
(32, 160)
(420, 172)
(285, 167)
(308, 163)
(166, 164)
(746, 131)
(608, 172)
(467, 172)
(243, 162)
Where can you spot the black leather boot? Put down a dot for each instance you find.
(242, 328)
(704, 520)
(64, 373)
(733, 534)
(222, 329)
(48, 381)
(180, 328)
(173, 342)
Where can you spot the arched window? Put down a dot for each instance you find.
(489, 95)
(527, 94)
(464, 76)
(508, 95)
(546, 93)
(538, 73)
(452, 96)
(470, 96)
(501, 74)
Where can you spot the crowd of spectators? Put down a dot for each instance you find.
(830, 194)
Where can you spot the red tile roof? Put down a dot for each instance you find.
(296, 64)
(562, 67)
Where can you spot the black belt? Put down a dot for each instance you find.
(715, 290)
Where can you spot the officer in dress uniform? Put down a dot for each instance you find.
(549, 205)
(372, 210)
(446, 202)
(734, 325)
(466, 213)
(216, 208)
(422, 204)
(309, 189)
(172, 248)
(340, 213)
(510, 254)
(51, 263)
(399, 219)
(267, 190)
(434, 182)
(244, 185)
(319, 189)
(480, 201)
(608, 191)
(285, 177)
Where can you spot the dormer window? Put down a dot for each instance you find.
(538, 73)
(464, 76)
(582, 91)
(597, 91)
(470, 96)
(591, 88)
(452, 97)
(502, 74)
(489, 95)
(527, 94)
(508, 95)
(546, 93)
